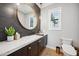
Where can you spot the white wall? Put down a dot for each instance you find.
(70, 24)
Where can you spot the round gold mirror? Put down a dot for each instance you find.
(27, 16)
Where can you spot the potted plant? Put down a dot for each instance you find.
(10, 33)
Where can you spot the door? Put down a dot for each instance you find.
(32, 49)
(40, 46)
(42, 42)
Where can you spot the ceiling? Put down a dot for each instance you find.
(42, 5)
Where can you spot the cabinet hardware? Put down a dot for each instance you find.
(29, 48)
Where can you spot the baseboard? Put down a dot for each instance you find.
(50, 47)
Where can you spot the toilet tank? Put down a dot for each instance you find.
(66, 41)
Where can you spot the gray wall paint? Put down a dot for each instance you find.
(10, 19)
(70, 24)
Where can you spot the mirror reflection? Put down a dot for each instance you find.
(27, 16)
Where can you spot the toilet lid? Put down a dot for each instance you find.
(69, 49)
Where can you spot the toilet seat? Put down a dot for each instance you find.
(69, 50)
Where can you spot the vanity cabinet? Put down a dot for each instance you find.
(33, 49)
(42, 44)
(20, 52)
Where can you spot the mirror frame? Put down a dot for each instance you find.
(31, 6)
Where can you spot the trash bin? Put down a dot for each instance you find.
(57, 49)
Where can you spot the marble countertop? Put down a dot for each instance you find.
(7, 48)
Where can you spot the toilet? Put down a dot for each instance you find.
(67, 47)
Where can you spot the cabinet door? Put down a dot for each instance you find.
(32, 49)
(41, 45)
(42, 42)
(45, 40)
(20, 52)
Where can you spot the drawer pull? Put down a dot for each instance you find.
(29, 48)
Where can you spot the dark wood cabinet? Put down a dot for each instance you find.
(42, 42)
(40, 46)
(20, 52)
(33, 49)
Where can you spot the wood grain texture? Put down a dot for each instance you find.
(50, 52)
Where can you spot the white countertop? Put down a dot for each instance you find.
(7, 48)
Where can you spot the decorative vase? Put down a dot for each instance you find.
(17, 36)
(10, 38)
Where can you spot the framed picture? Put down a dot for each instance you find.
(55, 19)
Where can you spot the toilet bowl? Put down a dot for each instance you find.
(68, 50)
